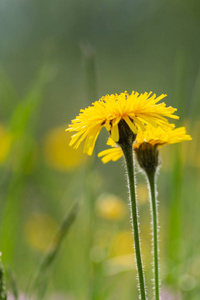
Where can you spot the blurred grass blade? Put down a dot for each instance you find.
(194, 104)
(8, 94)
(3, 293)
(180, 81)
(28, 107)
(13, 284)
(89, 60)
(175, 216)
(42, 276)
(175, 196)
(22, 126)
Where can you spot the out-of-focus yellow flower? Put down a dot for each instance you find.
(142, 192)
(118, 264)
(121, 252)
(111, 207)
(39, 231)
(57, 152)
(190, 153)
(155, 136)
(112, 110)
(5, 143)
(120, 249)
(121, 244)
(23, 148)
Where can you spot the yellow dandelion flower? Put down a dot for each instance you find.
(135, 110)
(155, 136)
(159, 137)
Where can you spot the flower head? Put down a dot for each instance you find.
(134, 110)
(155, 137)
(159, 137)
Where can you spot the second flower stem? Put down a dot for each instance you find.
(151, 179)
(128, 154)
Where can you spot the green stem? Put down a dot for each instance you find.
(128, 154)
(151, 178)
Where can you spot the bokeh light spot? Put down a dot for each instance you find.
(58, 154)
(39, 231)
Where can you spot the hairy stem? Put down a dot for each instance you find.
(128, 154)
(151, 179)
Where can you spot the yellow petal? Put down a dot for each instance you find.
(130, 124)
(115, 133)
(90, 140)
(108, 126)
(110, 154)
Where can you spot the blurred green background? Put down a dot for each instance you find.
(58, 57)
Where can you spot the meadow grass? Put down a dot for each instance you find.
(94, 260)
